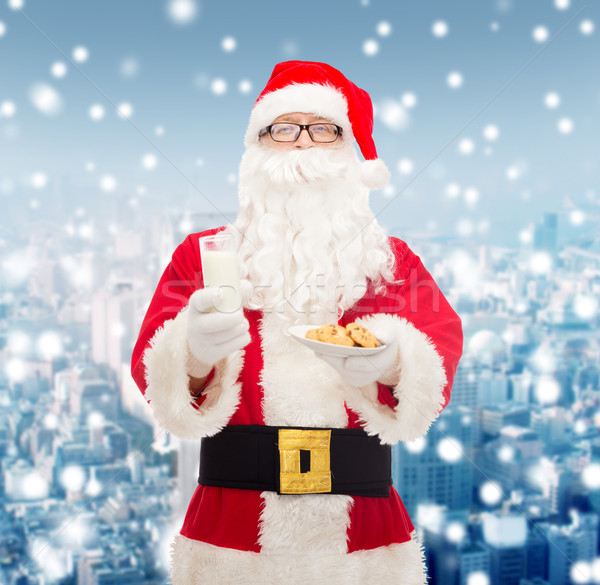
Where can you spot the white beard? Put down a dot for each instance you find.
(307, 240)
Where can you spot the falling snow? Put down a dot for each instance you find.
(586, 27)
(536, 299)
(409, 99)
(456, 532)
(577, 217)
(552, 100)
(452, 190)
(491, 132)
(124, 110)
(405, 166)
(149, 161)
(46, 99)
(540, 263)
(245, 86)
(370, 47)
(384, 29)
(228, 44)
(450, 450)
(471, 196)
(513, 173)
(490, 493)
(218, 86)
(80, 54)
(466, 146)
(565, 125)
(540, 34)
(478, 578)
(96, 112)
(439, 28)
(454, 79)
(547, 390)
(108, 183)
(73, 478)
(182, 11)
(39, 180)
(58, 69)
(7, 109)
(393, 114)
(49, 345)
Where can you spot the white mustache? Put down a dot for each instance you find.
(304, 166)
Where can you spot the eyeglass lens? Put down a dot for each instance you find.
(291, 132)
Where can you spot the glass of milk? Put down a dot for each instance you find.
(220, 269)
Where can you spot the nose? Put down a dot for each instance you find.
(304, 140)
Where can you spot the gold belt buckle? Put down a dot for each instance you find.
(318, 479)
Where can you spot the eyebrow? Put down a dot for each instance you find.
(289, 118)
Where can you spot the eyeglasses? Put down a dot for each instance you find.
(288, 132)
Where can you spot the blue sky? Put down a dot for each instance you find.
(181, 77)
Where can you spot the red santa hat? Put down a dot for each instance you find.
(318, 88)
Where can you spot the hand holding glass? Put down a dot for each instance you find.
(220, 269)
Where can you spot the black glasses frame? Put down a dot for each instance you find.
(267, 130)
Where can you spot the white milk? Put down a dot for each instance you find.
(220, 269)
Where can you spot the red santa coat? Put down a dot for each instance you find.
(245, 536)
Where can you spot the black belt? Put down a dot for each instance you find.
(296, 460)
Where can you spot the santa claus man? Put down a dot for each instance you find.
(295, 482)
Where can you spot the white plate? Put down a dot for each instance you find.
(299, 332)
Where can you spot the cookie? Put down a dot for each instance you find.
(331, 334)
(334, 334)
(361, 336)
(312, 334)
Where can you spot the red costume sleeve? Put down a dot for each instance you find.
(421, 302)
(180, 279)
(430, 344)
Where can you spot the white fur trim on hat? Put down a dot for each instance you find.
(419, 392)
(198, 563)
(313, 98)
(374, 174)
(167, 361)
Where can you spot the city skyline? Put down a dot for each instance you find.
(525, 398)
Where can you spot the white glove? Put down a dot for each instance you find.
(362, 369)
(212, 335)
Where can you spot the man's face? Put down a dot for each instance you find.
(304, 140)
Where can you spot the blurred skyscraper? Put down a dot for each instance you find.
(545, 237)
(437, 469)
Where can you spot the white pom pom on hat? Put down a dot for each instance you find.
(318, 88)
(374, 174)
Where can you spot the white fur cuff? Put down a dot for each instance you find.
(167, 362)
(419, 392)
